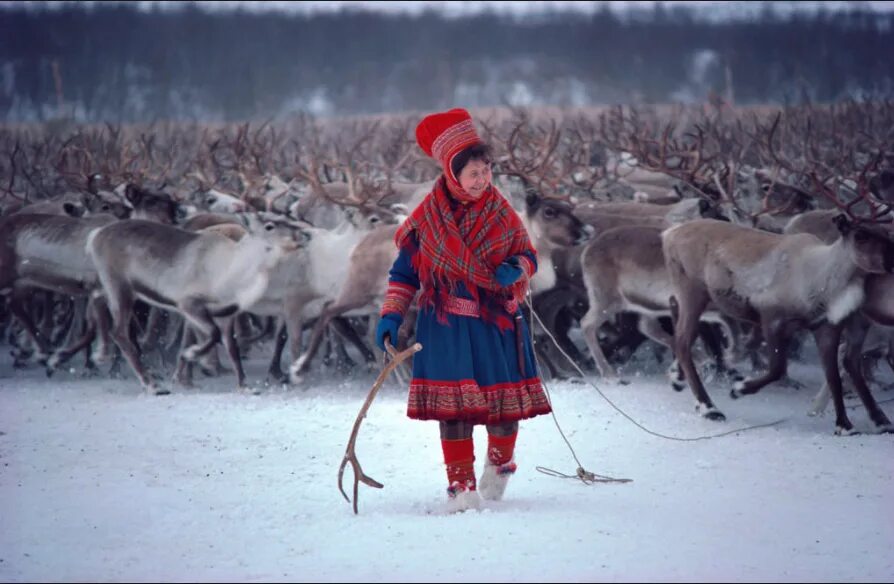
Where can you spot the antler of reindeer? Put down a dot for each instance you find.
(536, 169)
(350, 452)
(686, 161)
(835, 168)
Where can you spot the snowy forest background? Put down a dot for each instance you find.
(115, 62)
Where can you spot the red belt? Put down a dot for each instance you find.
(468, 307)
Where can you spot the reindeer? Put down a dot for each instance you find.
(47, 252)
(603, 217)
(69, 205)
(597, 214)
(779, 282)
(307, 277)
(204, 276)
(873, 319)
(624, 270)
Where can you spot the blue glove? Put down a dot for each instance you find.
(508, 272)
(388, 326)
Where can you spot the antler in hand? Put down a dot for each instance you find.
(350, 455)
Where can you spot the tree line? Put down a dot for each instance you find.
(116, 63)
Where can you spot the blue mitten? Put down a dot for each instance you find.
(388, 326)
(508, 272)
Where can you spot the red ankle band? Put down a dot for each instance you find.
(459, 456)
(500, 448)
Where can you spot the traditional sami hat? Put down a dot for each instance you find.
(444, 135)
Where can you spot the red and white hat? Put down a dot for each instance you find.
(444, 135)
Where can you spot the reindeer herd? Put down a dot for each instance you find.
(742, 228)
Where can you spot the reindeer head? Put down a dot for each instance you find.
(279, 234)
(872, 245)
(710, 209)
(101, 202)
(151, 206)
(553, 220)
(217, 202)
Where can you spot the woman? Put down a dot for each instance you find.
(467, 250)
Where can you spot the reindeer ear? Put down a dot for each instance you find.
(400, 208)
(843, 224)
(532, 199)
(132, 193)
(72, 210)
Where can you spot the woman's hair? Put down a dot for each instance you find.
(480, 151)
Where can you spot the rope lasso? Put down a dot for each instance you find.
(583, 475)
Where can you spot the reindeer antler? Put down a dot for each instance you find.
(879, 212)
(350, 454)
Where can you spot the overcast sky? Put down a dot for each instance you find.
(527, 6)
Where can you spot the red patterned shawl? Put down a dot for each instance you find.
(488, 232)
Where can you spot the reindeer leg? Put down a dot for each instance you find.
(564, 321)
(18, 305)
(553, 309)
(294, 325)
(121, 302)
(102, 316)
(232, 347)
(685, 316)
(330, 311)
(183, 372)
(596, 315)
(45, 320)
(545, 359)
(827, 337)
(148, 339)
(197, 313)
(64, 354)
(346, 330)
(243, 326)
(274, 371)
(302, 364)
(73, 324)
(713, 346)
(651, 328)
(752, 347)
(777, 342)
(853, 361)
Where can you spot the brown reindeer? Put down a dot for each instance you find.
(780, 282)
(624, 270)
(876, 312)
(204, 276)
(47, 252)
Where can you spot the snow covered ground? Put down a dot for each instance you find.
(100, 482)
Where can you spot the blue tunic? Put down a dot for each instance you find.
(468, 369)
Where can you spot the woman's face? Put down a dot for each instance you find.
(475, 177)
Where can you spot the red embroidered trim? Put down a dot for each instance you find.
(453, 137)
(466, 400)
(398, 298)
(468, 307)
